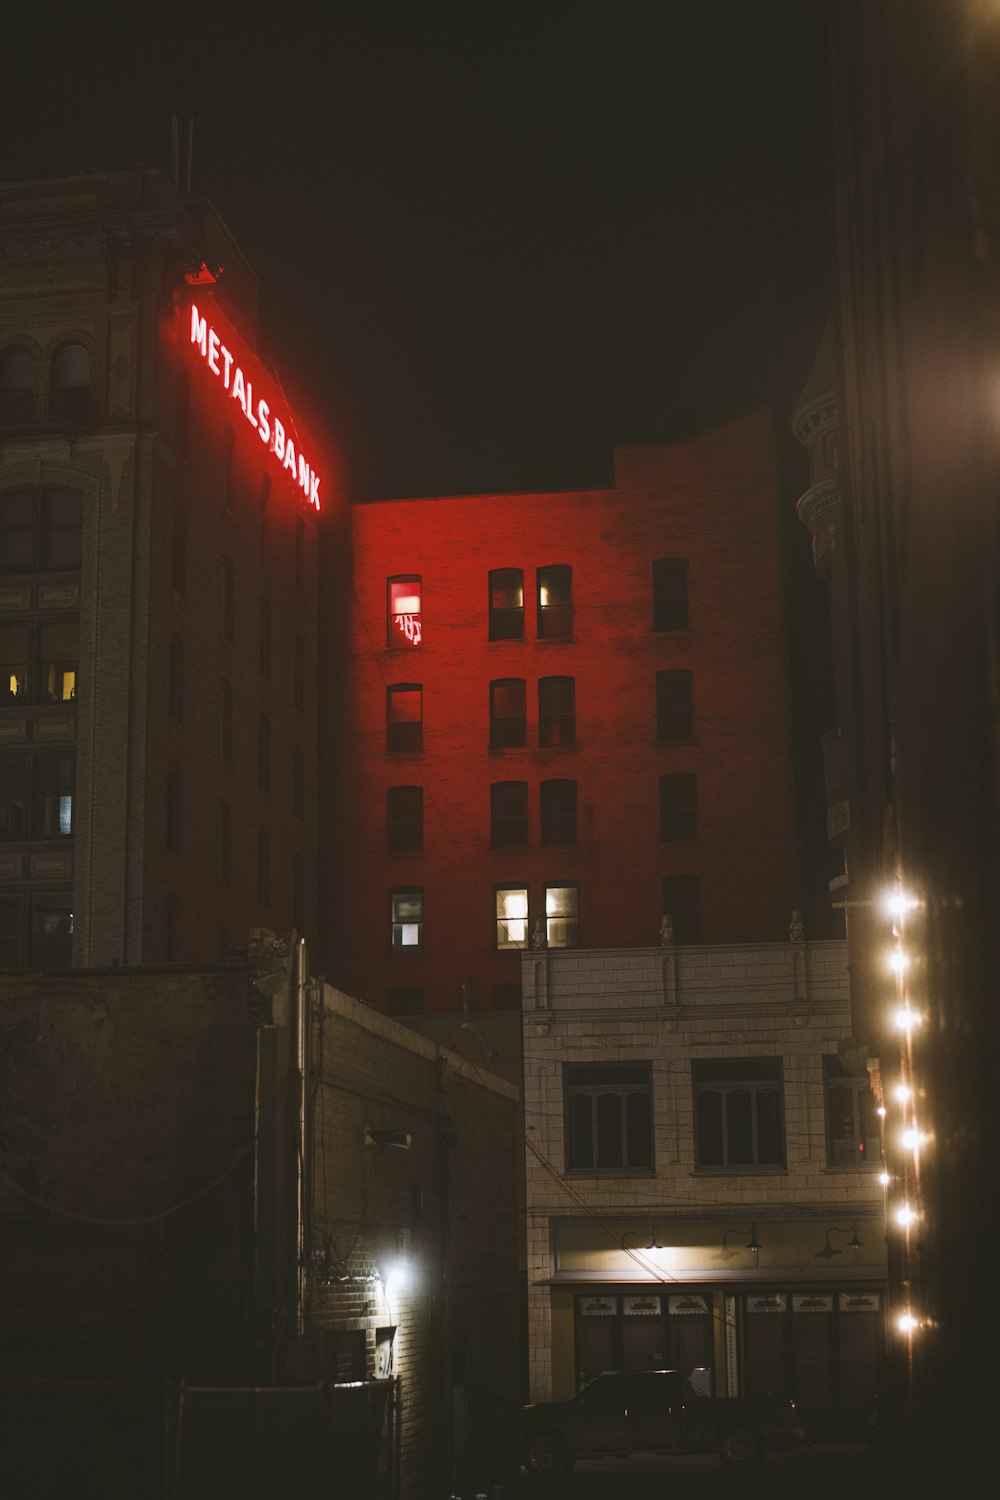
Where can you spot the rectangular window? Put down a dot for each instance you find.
(852, 1133)
(226, 720)
(674, 708)
(555, 602)
(61, 534)
(506, 587)
(512, 916)
(299, 675)
(175, 680)
(41, 531)
(508, 814)
(298, 782)
(13, 796)
(404, 717)
(404, 626)
(739, 1112)
(670, 593)
(264, 753)
(608, 1117)
(265, 639)
(178, 550)
(227, 599)
(678, 807)
(225, 844)
(407, 907)
(508, 714)
(51, 932)
(39, 663)
(173, 828)
(404, 814)
(556, 711)
(263, 867)
(53, 777)
(562, 916)
(682, 904)
(558, 812)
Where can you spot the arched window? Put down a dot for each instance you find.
(17, 385)
(71, 383)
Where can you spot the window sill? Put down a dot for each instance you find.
(604, 1172)
(749, 1171)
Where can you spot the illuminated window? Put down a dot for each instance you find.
(670, 593)
(225, 843)
(173, 810)
(852, 1127)
(562, 916)
(739, 1112)
(558, 810)
(264, 639)
(682, 902)
(674, 710)
(404, 717)
(508, 814)
(264, 753)
(512, 916)
(404, 816)
(608, 1117)
(556, 711)
(506, 587)
(555, 602)
(41, 531)
(175, 680)
(17, 385)
(508, 715)
(678, 807)
(71, 383)
(405, 625)
(39, 663)
(407, 906)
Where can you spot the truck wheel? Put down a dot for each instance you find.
(544, 1454)
(740, 1447)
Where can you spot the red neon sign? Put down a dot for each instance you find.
(409, 627)
(272, 420)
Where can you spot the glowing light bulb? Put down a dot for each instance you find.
(881, 1111)
(906, 1323)
(898, 961)
(898, 903)
(911, 1139)
(884, 1179)
(905, 1019)
(905, 1215)
(902, 1092)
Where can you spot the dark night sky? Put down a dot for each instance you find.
(492, 241)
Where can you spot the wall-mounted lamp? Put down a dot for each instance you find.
(829, 1251)
(753, 1243)
(654, 1243)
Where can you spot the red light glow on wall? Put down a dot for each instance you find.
(243, 378)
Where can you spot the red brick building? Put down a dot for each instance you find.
(158, 584)
(563, 716)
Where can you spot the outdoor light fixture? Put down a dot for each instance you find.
(653, 1245)
(829, 1251)
(752, 1243)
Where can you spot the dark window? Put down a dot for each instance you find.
(508, 814)
(506, 604)
(682, 903)
(508, 715)
(558, 810)
(298, 782)
(405, 818)
(506, 997)
(852, 1133)
(404, 717)
(739, 1112)
(670, 593)
(39, 663)
(609, 1117)
(41, 531)
(511, 916)
(42, 783)
(404, 626)
(175, 680)
(71, 384)
(264, 753)
(17, 385)
(225, 721)
(674, 711)
(678, 807)
(36, 929)
(299, 675)
(405, 1000)
(227, 599)
(263, 867)
(562, 916)
(178, 550)
(556, 711)
(265, 639)
(173, 829)
(555, 602)
(407, 913)
(14, 796)
(225, 843)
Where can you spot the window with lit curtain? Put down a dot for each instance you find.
(555, 602)
(407, 915)
(404, 626)
(562, 929)
(511, 916)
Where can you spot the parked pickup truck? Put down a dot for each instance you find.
(653, 1411)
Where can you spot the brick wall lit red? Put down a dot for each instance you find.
(712, 501)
